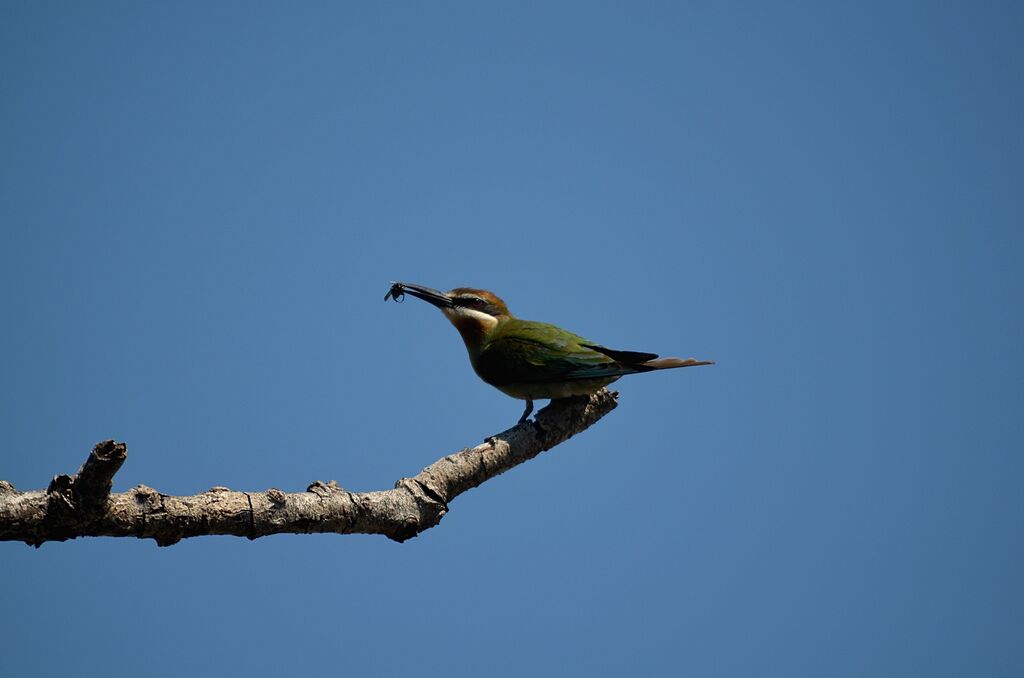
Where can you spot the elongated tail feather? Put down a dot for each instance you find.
(669, 363)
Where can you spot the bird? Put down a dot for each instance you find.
(531, 360)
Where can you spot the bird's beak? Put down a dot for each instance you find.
(427, 294)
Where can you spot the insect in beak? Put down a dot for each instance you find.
(396, 292)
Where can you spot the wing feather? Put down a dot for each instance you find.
(523, 351)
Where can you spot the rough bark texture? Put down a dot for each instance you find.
(82, 505)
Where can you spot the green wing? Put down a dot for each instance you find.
(527, 352)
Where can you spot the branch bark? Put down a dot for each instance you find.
(83, 506)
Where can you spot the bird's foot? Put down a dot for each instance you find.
(526, 413)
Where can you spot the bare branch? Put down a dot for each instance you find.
(83, 506)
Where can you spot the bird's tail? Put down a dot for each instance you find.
(635, 361)
(669, 363)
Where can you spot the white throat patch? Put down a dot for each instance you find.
(461, 312)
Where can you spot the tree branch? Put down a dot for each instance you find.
(83, 506)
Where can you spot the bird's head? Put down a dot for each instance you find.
(473, 312)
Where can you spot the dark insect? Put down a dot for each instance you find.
(395, 293)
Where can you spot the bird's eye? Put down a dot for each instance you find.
(472, 302)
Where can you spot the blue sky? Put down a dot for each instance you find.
(202, 204)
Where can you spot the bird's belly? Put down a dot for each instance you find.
(563, 389)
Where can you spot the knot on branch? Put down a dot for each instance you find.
(75, 502)
(429, 508)
(87, 491)
(323, 490)
(145, 497)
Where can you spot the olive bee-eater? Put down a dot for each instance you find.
(530, 360)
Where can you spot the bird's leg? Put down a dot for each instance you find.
(526, 413)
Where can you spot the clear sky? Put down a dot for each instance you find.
(202, 204)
